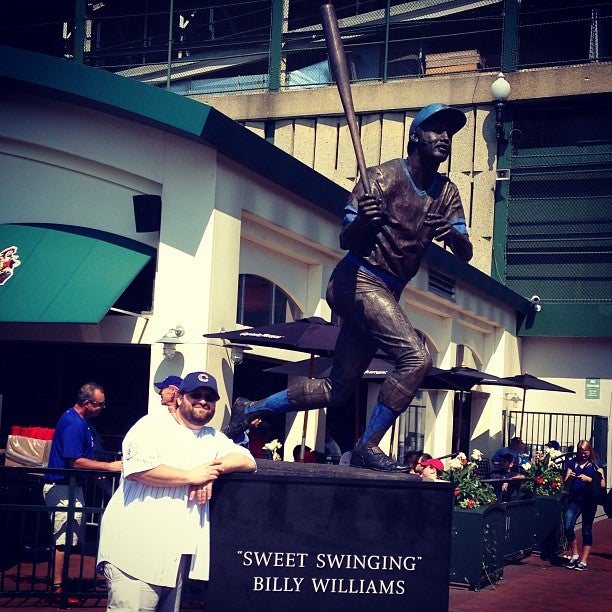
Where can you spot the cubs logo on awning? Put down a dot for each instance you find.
(9, 260)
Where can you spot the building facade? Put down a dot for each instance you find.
(537, 199)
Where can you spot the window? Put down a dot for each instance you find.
(261, 302)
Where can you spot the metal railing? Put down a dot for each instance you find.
(26, 541)
(27, 551)
(567, 429)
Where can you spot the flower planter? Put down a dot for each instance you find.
(477, 545)
(548, 530)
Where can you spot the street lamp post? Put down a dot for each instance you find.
(500, 91)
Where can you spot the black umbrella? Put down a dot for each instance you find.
(527, 381)
(321, 368)
(455, 379)
(462, 379)
(312, 335)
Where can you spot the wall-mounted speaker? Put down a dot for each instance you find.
(147, 212)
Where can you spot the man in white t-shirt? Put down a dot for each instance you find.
(158, 519)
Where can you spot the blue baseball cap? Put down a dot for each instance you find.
(506, 453)
(169, 380)
(195, 380)
(454, 118)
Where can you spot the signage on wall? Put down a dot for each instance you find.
(591, 388)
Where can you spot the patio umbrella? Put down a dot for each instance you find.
(527, 381)
(462, 379)
(312, 335)
(321, 368)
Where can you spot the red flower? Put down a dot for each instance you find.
(470, 503)
(540, 480)
(554, 484)
(456, 492)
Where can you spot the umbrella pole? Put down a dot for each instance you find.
(392, 438)
(356, 432)
(459, 421)
(305, 426)
(522, 414)
(303, 447)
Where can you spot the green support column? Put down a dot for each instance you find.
(80, 16)
(387, 24)
(509, 57)
(500, 219)
(170, 40)
(510, 25)
(276, 46)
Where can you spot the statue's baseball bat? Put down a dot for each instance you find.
(339, 70)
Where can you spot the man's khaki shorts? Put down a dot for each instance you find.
(56, 496)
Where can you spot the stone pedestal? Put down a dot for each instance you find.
(304, 537)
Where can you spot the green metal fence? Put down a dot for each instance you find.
(567, 429)
(558, 228)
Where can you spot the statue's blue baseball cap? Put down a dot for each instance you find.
(195, 380)
(174, 381)
(454, 118)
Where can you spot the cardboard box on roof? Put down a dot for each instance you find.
(453, 61)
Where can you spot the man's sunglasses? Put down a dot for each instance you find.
(199, 395)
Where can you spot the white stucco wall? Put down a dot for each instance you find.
(569, 362)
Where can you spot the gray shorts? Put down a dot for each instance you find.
(56, 496)
(129, 594)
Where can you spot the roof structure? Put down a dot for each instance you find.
(168, 111)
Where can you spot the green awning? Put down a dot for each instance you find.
(64, 274)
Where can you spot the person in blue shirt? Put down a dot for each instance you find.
(504, 462)
(515, 449)
(582, 473)
(72, 447)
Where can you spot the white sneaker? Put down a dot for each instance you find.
(581, 567)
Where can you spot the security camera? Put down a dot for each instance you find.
(535, 300)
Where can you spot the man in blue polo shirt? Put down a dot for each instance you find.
(73, 447)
